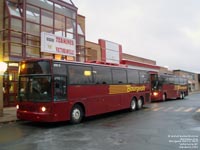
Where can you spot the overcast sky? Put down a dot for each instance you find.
(167, 31)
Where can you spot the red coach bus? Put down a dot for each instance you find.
(165, 86)
(51, 91)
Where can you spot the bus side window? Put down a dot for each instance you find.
(119, 76)
(59, 88)
(80, 74)
(133, 76)
(102, 75)
(144, 77)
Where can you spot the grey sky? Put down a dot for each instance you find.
(167, 31)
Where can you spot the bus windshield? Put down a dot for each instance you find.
(35, 88)
(35, 67)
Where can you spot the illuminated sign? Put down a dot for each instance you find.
(119, 89)
(51, 43)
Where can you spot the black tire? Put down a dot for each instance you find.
(133, 105)
(164, 97)
(183, 95)
(139, 104)
(77, 114)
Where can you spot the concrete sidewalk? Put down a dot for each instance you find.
(9, 115)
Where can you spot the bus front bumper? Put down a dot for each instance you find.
(35, 116)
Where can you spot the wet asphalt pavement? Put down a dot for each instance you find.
(173, 124)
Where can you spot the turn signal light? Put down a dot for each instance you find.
(17, 106)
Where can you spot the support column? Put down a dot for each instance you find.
(1, 95)
(1, 56)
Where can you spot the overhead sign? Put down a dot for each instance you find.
(111, 52)
(51, 43)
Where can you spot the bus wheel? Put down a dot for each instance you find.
(183, 95)
(76, 114)
(164, 97)
(133, 105)
(139, 103)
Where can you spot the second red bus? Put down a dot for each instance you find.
(165, 87)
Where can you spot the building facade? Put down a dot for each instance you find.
(21, 25)
(193, 79)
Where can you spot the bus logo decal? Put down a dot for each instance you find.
(119, 89)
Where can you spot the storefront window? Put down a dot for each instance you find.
(71, 36)
(13, 9)
(16, 39)
(32, 52)
(33, 14)
(71, 26)
(32, 28)
(81, 40)
(68, 1)
(46, 29)
(59, 21)
(47, 18)
(16, 49)
(33, 40)
(16, 24)
(42, 3)
(33, 44)
(79, 30)
(59, 25)
(60, 33)
(65, 11)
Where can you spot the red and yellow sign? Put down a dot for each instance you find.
(119, 89)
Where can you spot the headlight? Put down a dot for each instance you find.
(43, 109)
(155, 93)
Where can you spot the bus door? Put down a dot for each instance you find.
(154, 82)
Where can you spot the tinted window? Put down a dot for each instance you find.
(59, 88)
(80, 74)
(133, 76)
(183, 81)
(102, 75)
(37, 67)
(35, 88)
(144, 77)
(176, 80)
(171, 80)
(59, 69)
(119, 76)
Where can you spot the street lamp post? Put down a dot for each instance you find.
(3, 68)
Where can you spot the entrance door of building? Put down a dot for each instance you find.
(10, 87)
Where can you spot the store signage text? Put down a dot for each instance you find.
(51, 43)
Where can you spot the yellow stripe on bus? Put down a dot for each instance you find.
(119, 89)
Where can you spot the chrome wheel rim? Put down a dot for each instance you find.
(139, 103)
(133, 105)
(76, 114)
